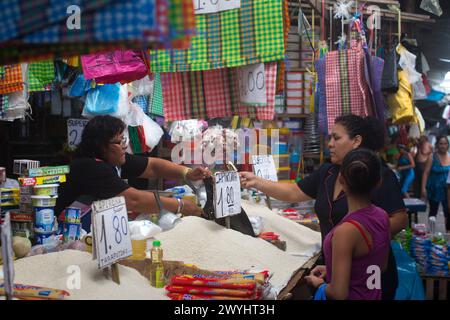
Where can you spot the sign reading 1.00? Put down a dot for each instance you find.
(111, 234)
(252, 84)
(227, 194)
(211, 6)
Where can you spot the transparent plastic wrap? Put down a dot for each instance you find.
(431, 6)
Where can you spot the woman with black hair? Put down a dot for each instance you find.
(434, 181)
(357, 248)
(101, 163)
(349, 132)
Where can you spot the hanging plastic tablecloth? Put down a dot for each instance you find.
(40, 75)
(213, 94)
(12, 80)
(104, 25)
(248, 35)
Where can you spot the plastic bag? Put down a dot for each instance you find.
(142, 87)
(116, 66)
(143, 229)
(102, 100)
(431, 6)
(153, 132)
(80, 86)
(123, 106)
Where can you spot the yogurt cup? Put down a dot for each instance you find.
(44, 201)
(44, 218)
(71, 231)
(46, 189)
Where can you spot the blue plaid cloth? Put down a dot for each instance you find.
(21, 17)
(142, 101)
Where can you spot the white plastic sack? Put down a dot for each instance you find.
(414, 131)
(421, 120)
(144, 229)
(122, 110)
(142, 87)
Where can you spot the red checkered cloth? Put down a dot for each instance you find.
(345, 84)
(217, 93)
(174, 106)
(261, 113)
(12, 81)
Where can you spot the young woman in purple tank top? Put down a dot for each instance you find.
(356, 250)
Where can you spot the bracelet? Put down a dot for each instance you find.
(185, 172)
(180, 205)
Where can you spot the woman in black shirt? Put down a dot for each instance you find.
(349, 132)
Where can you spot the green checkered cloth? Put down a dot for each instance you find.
(232, 38)
(40, 74)
(156, 101)
(2, 72)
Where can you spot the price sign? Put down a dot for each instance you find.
(112, 237)
(211, 6)
(252, 84)
(264, 167)
(75, 128)
(7, 256)
(227, 194)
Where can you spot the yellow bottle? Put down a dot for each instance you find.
(157, 268)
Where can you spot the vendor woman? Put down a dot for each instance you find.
(101, 163)
(349, 132)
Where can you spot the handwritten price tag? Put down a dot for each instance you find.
(252, 84)
(211, 6)
(110, 231)
(227, 194)
(264, 167)
(75, 129)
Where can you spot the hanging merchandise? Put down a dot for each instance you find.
(80, 86)
(142, 87)
(401, 103)
(389, 80)
(375, 66)
(109, 99)
(15, 104)
(213, 94)
(117, 66)
(12, 80)
(419, 119)
(322, 122)
(187, 130)
(100, 26)
(431, 6)
(142, 102)
(346, 88)
(40, 75)
(156, 102)
(282, 64)
(251, 34)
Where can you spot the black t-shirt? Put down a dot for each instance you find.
(97, 179)
(320, 186)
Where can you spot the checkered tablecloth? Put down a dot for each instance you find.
(213, 94)
(40, 75)
(156, 101)
(12, 80)
(346, 88)
(106, 26)
(250, 34)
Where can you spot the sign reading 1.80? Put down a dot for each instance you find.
(110, 231)
(227, 194)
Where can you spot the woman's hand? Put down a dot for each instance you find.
(314, 281)
(319, 271)
(198, 174)
(249, 180)
(191, 209)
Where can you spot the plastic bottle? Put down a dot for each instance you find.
(157, 267)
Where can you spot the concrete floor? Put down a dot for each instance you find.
(440, 220)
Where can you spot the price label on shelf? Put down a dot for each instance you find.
(75, 129)
(252, 84)
(112, 240)
(212, 6)
(264, 167)
(227, 194)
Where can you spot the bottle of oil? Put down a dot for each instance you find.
(157, 268)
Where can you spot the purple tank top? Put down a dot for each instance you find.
(376, 221)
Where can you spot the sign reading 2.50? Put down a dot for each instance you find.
(111, 233)
(211, 6)
(227, 194)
